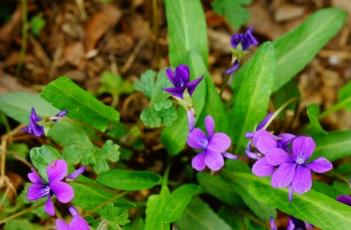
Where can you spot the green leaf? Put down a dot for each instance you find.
(198, 215)
(233, 11)
(312, 207)
(129, 180)
(63, 93)
(161, 109)
(37, 24)
(42, 156)
(115, 216)
(20, 224)
(177, 202)
(334, 146)
(18, 106)
(183, 16)
(314, 125)
(295, 49)
(252, 99)
(155, 209)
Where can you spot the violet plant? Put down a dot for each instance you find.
(186, 176)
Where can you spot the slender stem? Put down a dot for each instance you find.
(276, 113)
(224, 85)
(335, 108)
(20, 213)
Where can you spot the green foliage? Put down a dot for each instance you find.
(252, 99)
(233, 11)
(20, 224)
(344, 96)
(18, 106)
(114, 216)
(198, 215)
(63, 93)
(313, 115)
(129, 180)
(37, 24)
(183, 17)
(161, 110)
(155, 210)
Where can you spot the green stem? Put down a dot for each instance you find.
(20, 213)
(335, 108)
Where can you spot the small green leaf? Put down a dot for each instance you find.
(20, 224)
(18, 106)
(129, 180)
(115, 216)
(155, 209)
(37, 24)
(313, 115)
(344, 96)
(233, 11)
(63, 93)
(198, 215)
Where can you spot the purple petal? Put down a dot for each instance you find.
(234, 67)
(210, 125)
(214, 160)
(73, 211)
(198, 162)
(37, 191)
(303, 147)
(291, 225)
(35, 178)
(235, 39)
(264, 121)
(191, 119)
(175, 92)
(346, 199)
(191, 86)
(285, 139)
(49, 207)
(219, 142)
(171, 77)
(272, 224)
(182, 74)
(76, 173)
(262, 168)
(61, 225)
(302, 181)
(79, 223)
(320, 165)
(57, 170)
(277, 156)
(230, 156)
(63, 191)
(197, 139)
(249, 39)
(283, 176)
(263, 141)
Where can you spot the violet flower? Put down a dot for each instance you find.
(293, 169)
(77, 222)
(235, 66)
(346, 199)
(245, 40)
(180, 78)
(293, 224)
(56, 185)
(191, 119)
(212, 147)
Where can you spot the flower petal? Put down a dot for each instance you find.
(182, 73)
(63, 191)
(264, 121)
(35, 178)
(79, 223)
(283, 176)
(263, 141)
(230, 156)
(191, 119)
(234, 67)
(303, 147)
(219, 142)
(214, 160)
(61, 225)
(277, 156)
(198, 162)
(57, 170)
(171, 77)
(346, 199)
(175, 92)
(320, 165)
(49, 207)
(262, 168)
(191, 86)
(76, 173)
(210, 125)
(197, 139)
(37, 191)
(302, 181)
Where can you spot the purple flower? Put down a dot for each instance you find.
(212, 147)
(33, 127)
(235, 66)
(180, 78)
(56, 172)
(293, 169)
(246, 40)
(293, 224)
(77, 222)
(346, 199)
(272, 224)
(191, 119)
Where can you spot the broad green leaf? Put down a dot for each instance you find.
(63, 93)
(198, 215)
(186, 29)
(178, 200)
(334, 146)
(18, 106)
(284, 94)
(233, 11)
(155, 209)
(37, 24)
(174, 136)
(252, 99)
(129, 180)
(314, 126)
(298, 47)
(42, 156)
(312, 207)
(20, 224)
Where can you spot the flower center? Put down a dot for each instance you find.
(204, 143)
(300, 160)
